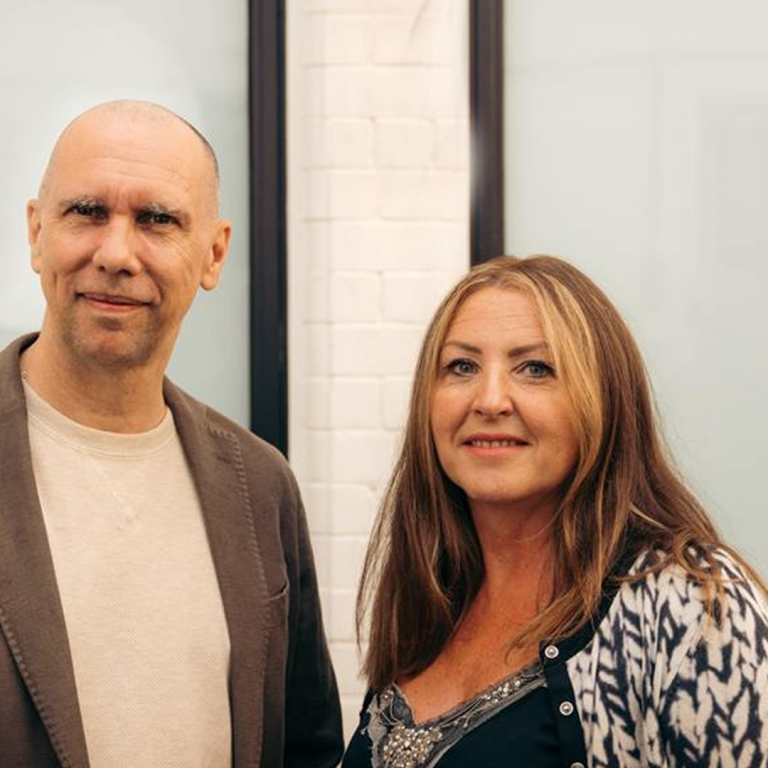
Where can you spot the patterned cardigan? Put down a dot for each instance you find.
(660, 684)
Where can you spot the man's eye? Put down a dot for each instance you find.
(462, 367)
(155, 218)
(88, 210)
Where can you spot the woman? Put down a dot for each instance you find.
(542, 588)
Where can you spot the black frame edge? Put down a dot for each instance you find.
(486, 96)
(268, 220)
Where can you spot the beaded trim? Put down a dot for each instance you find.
(398, 742)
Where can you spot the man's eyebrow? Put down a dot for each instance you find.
(526, 349)
(87, 200)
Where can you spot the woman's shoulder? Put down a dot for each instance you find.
(673, 610)
(653, 577)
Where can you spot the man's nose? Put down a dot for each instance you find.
(116, 251)
(493, 397)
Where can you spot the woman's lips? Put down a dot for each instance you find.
(493, 444)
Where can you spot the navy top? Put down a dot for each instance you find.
(511, 720)
(527, 719)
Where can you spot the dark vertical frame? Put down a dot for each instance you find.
(268, 273)
(486, 95)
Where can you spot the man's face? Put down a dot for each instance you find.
(123, 235)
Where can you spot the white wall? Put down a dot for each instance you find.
(637, 147)
(379, 201)
(59, 58)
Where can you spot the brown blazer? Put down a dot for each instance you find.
(283, 697)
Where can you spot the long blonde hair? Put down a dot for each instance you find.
(424, 565)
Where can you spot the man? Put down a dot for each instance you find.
(158, 602)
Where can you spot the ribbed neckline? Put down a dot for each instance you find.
(96, 441)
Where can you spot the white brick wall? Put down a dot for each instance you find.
(378, 230)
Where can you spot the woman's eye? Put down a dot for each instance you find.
(462, 367)
(537, 369)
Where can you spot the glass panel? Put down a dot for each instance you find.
(57, 59)
(636, 147)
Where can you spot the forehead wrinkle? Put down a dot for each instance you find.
(524, 349)
(63, 151)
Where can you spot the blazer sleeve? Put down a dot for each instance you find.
(313, 734)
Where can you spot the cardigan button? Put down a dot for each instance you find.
(566, 708)
(551, 652)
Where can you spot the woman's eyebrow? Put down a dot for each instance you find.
(527, 349)
(463, 346)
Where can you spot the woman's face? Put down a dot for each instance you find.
(501, 419)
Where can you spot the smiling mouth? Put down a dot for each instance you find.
(495, 443)
(115, 301)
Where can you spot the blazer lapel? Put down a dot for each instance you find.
(215, 459)
(31, 615)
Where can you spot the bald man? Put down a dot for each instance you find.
(158, 601)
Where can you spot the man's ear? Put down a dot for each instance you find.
(34, 226)
(216, 255)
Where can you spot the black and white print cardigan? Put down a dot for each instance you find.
(652, 682)
(658, 684)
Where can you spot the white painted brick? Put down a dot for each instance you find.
(355, 297)
(320, 465)
(394, 245)
(346, 664)
(338, 92)
(317, 307)
(355, 403)
(413, 297)
(452, 138)
(337, 39)
(319, 348)
(367, 350)
(345, 143)
(321, 549)
(313, 251)
(346, 561)
(396, 395)
(341, 194)
(361, 457)
(342, 626)
(352, 509)
(423, 195)
(415, 38)
(318, 408)
(317, 503)
(350, 713)
(357, 6)
(427, 92)
(404, 143)
(377, 88)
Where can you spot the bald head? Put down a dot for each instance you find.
(147, 114)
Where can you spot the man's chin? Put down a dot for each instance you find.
(114, 351)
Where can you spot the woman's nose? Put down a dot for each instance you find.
(493, 397)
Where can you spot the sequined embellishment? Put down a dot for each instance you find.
(398, 742)
(408, 747)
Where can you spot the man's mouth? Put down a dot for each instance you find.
(113, 300)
